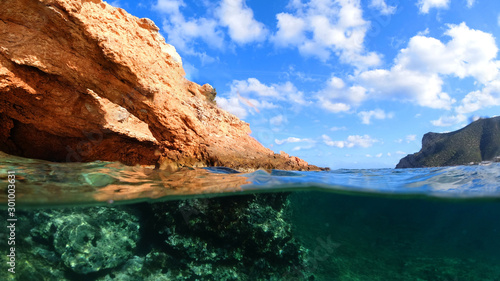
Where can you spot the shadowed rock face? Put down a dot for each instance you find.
(479, 141)
(81, 80)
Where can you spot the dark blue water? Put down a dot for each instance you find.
(218, 224)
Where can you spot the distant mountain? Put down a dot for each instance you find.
(478, 141)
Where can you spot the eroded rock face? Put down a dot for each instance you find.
(81, 80)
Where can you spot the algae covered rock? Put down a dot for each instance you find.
(86, 241)
(244, 237)
(230, 238)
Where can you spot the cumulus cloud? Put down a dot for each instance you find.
(425, 89)
(290, 30)
(183, 33)
(470, 3)
(469, 53)
(277, 91)
(426, 5)
(240, 21)
(251, 95)
(321, 28)
(486, 97)
(352, 141)
(366, 116)
(232, 105)
(383, 7)
(337, 97)
(419, 69)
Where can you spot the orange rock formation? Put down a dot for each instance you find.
(81, 80)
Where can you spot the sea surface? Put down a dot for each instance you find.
(381, 224)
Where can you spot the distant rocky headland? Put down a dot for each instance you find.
(81, 81)
(475, 143)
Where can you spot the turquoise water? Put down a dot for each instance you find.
(107, 221)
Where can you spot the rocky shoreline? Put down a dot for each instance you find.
(83, 81)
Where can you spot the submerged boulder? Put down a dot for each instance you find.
(85, 240)
(245, 237)
(81, 80)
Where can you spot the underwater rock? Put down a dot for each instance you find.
(85, 240)
(81, 80)
(230, 238)
(244, 237)
(477, 142)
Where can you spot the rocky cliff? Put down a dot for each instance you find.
(81, 80)
(479, 141)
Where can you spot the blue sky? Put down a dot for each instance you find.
(340, 83)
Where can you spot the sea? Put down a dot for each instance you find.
(108, 221)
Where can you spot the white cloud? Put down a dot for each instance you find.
(426, 5)
(470, 3)
(401, 153)
(321, 28)
(379, 155)
(278, 120)
(169, 6)
(469, 53)
(284, 91)
(488, 96)
(383, 7)
(410, 138)
(253, 85)
(292, 140)
(335, 107)
(290, 30)
(336, 97)
(240, 21)
(405, 85)
(343, 128)
(366, 116)
(309, 143)
(352, 141)
(446, 121)
(419, 69)
(232, 105)
(183, 33)
(251, 96)
(297, 148)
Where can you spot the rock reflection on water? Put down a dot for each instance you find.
(46, 183)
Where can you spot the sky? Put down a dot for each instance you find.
(339, 83)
